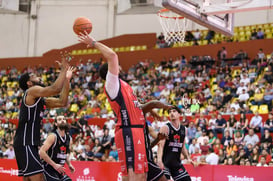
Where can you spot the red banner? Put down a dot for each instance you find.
(9, 170)
(110, 171)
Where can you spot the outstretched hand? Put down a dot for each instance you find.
(70, 72)
(65, 57)
(86, 39)
(162, 136)
(155, 115)
(71, 168)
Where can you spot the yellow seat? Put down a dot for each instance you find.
(14, 115)
(85, 51)
(116, 49)
(89, 51)
(204, 42)
(9, 84)
(10, 93)
(242, 38)
(212, 80)
(266, 25)
(79, 52)
(247, 28)
(259, 96)
(263, 109)
(74, 108)
(214, 87)
(74, 52)
(122, 49)
(4, 78)
(14, 84)
(202, 110)
(132, 48)
(269, 35)
(254, 108)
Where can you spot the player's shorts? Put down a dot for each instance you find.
(130, 144)
(154, 173)
(178, 174)
(52, 175)
(28, 160)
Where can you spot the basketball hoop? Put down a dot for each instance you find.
(174, 26)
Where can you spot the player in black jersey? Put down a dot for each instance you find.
(27, 137)
(55, 152)
(155, 173)
(169, 150)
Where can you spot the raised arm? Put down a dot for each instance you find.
(147, 107)
(55, 88)
(52, 102)
(108, 53)
(164, 129)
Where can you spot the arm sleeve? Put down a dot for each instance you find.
(112, 85)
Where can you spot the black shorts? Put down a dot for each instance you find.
(154, 173)
(53, 175)
(28, 160)
(178, 174)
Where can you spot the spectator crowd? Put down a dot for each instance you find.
(204, 93)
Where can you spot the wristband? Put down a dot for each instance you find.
(93, 43)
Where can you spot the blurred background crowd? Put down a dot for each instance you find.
(226, 105)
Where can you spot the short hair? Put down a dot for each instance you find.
(103, 71)
(176, 108)
(23, 81)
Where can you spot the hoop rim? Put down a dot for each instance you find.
(167, 17)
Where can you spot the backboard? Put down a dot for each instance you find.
(217, 15)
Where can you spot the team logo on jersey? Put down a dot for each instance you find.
(176, 138)
(63, 149)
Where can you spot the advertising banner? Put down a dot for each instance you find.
(242, 173)
(110, 171)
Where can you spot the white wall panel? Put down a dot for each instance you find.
(53, 27)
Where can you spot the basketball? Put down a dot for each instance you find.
(81, 25)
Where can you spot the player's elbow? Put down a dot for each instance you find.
(63, 104)
(56, 89)
(113, 56)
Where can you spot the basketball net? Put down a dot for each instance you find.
(174, 26)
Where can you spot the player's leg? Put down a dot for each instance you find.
(119, 140)
(139, 157)
(29, 164)
(136, 176)
(155, 173)
(36, 177)
(66, 178)
(34, 170)
(125, 178)
(167, 174)
(180, 174)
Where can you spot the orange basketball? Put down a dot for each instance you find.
(81, 25)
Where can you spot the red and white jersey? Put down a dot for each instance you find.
(126, 107)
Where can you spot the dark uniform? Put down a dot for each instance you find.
(154, 173)
(58, 153)
(171, 154)
(27, 138)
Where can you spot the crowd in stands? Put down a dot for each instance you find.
(204, 37)
(198, 90)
